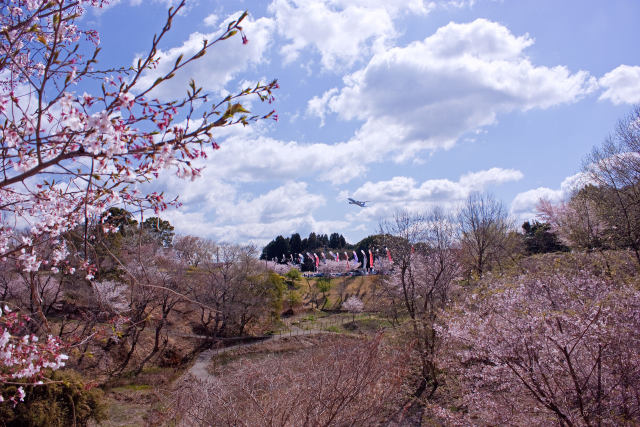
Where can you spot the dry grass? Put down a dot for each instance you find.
(324, 378)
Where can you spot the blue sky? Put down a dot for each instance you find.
(408, 104)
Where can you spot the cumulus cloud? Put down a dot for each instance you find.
(291, 200)
(524, 204)
(622, 85)
(403, 192)
(268, 159)
(461, 78)
(420, 97)
(249, 232)
(211, 20)
(224, 212)
(342, 33)
(222, 63)
(222, 208)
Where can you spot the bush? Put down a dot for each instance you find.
(66, 400)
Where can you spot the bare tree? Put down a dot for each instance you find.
(424, 248)
(157, 282)
(232, 289)
(484, 227)
(345, 382)
(614, 167)
(195, 250)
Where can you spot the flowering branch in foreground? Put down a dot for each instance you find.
(66, 157)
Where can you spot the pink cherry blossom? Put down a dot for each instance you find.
(67, 158)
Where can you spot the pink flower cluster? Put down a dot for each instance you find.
(25, 356)
(65, 158)
(554, 343)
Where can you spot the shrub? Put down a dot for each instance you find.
(65, 399)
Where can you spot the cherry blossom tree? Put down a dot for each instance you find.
(353, 305)
(331, 266)
(277, 267)
(425, 266)
(576, 222)
(233, 290)
(24, 356)
(66, 157)
(557, 342)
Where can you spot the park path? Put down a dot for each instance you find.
(199, 368)
(198, 375)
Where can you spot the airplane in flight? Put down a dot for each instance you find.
(357, 202)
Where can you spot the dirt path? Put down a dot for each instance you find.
(199, 368)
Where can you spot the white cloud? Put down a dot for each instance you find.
(341, 36)
(405, 193)
(316, 106)
(411, 99)
(255, 232)
(479, 180)
(220, 208)
(246, 156)
(524, 204)
(420, 7)
(289, 201)
(432, 92)
(211, 20)
(622, 85)
(342, 31)
(223, 61)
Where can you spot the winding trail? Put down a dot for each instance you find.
(198, 375)
(199, 368)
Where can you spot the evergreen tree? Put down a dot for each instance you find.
(295, 244)
(538, 238)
